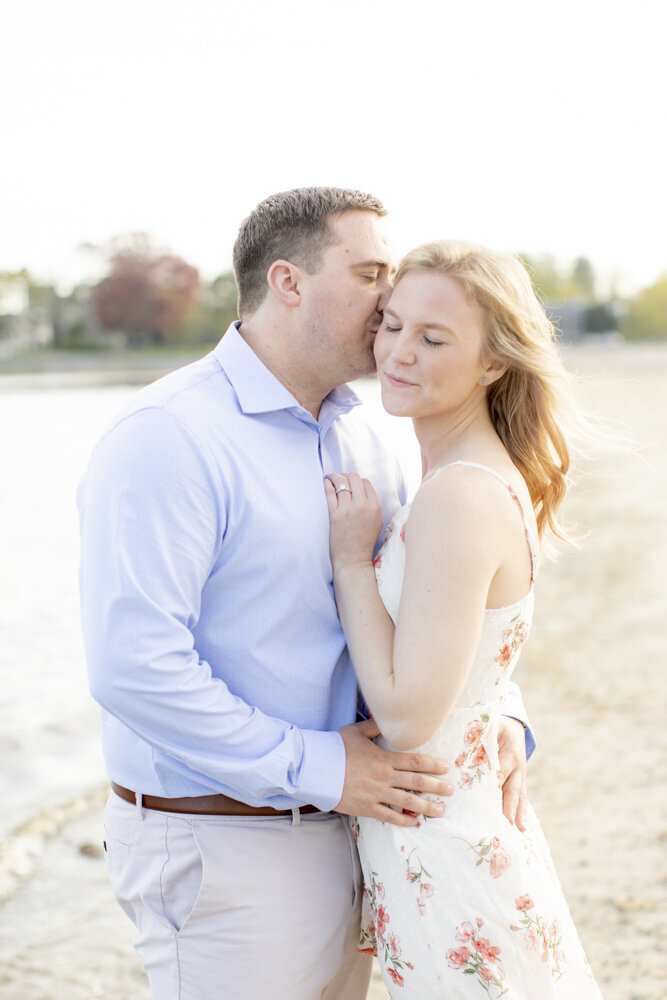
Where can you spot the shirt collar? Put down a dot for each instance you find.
(259, 391)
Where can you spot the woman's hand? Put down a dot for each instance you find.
(355, 517)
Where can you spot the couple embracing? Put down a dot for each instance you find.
(249, 562)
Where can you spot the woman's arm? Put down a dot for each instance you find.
(412, 676)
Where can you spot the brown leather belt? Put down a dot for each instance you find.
(205, 805)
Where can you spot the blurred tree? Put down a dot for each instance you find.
(646, 316)
(546, 279)
(601, 318)
(583, 278)
(214, 310)
(147, 293)
(553, 284)
(14, 291)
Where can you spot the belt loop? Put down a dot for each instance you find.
(140, 804)
(296, 817)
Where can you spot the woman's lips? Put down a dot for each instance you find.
(400, 383)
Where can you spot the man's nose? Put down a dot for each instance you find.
(383, 297)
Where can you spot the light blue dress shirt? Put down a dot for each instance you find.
(209, 619)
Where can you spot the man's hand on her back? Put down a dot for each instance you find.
(376, 779)
(512, 773)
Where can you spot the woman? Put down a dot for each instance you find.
(467, 904)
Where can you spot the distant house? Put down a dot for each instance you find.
(569, 318)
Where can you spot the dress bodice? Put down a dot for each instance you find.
(504, 630)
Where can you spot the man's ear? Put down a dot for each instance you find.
(283, 281)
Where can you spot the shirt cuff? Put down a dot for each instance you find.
(514, 709)
(528, 733)
(322, 769)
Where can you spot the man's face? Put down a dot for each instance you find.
(343, 302)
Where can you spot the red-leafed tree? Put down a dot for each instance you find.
(147, 293)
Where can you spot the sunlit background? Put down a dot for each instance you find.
(534, 127)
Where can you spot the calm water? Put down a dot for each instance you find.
(48, 724)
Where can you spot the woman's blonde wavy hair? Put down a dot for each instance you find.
(531, 403)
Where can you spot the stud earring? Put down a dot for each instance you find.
(484, 380)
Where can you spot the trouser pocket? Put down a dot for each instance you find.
(155, 865)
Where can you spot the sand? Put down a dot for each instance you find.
(592, 680)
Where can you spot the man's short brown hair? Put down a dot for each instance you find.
(292, 225)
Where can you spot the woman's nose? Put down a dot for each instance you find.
(402, 351)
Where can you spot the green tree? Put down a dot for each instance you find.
(555, 284)
(583, 278)
(14, 291)
(646, 318)
(547, 279)
(601, 318)
(214, 311)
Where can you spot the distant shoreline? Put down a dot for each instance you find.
(71, 369)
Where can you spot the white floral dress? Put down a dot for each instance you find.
(467, 905)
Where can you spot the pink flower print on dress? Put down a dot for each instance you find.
(415, 873)
(512, 640)
(403, 534)
(474, 761)
(425, 892)
(367, 938)
(394, 942)
(396, 977)
(458, 958)
(381, 920)
(504, 657)
(465, 931)
(473, 733)
(491, 853)
(539, 935)
(490, 953)
(479, 958)
(375, 940)
(500, 861)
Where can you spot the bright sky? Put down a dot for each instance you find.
(529, 125)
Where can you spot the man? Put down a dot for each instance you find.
(212, 637)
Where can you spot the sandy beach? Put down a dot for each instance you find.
(592, 681)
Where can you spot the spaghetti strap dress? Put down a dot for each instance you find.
(466, 906)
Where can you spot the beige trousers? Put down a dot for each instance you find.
(240, 907)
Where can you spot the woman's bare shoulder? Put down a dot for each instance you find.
(469, 494)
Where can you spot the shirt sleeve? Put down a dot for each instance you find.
(152, 523)
(515, 709)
